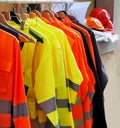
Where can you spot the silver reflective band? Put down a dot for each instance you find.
(88, 115)
(48, 106)
(90, 95)
(62, 103)
(72, 85)
(20, 110)
(5, 107)
(78, 123)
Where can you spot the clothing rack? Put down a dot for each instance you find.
(34, 1)
(61, 104)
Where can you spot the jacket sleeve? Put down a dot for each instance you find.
(43, 79)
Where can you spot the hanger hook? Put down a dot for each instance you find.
(29, 8)
(14, 7)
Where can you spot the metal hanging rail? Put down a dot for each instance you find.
(34, 1)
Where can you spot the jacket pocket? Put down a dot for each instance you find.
(4, 77)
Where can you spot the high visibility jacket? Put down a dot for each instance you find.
(61, 36)
(98, 102)
(26, 52)
(45, 95)
(62, 90)
(13, 107)
(69, 23)
(87, 104)
(80, 61)
(27, 58)
(87, 101)
(72, 36)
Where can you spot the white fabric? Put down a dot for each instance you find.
(105, 36)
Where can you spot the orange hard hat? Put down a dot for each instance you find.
(94, 23)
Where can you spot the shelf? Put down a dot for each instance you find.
(106, 47)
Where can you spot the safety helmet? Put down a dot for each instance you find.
(104, 17)
(94, 23)
(101, 14)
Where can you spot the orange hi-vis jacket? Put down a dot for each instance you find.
(87, 102)
(68, 22)
(13, 107)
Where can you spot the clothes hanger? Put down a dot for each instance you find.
(60, 14)
(4, 18)
(13, 32)
(4, 22)
(15, 17)
(6, 15)
(33, 33)
(38, 14)
(24, 16)
(48, 15)
(65, 19)
(32, 15)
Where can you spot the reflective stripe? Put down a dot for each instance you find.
(91, 95)
(64, 103)
(78, 123)
(88, 115)
(72, 85)
(48, 106)
(5, 107)
(20, 110)
(78, 101)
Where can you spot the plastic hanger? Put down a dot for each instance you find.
(13, 32)
(24, 16)
(32, 15)
(4, 22)
(60, 14)
(38, 14)
(33, 33)
(48, 15)
(5, 17)
(15, 17)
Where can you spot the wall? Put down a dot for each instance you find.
(112, 65)
(105, 4)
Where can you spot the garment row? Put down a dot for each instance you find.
(64, 77)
